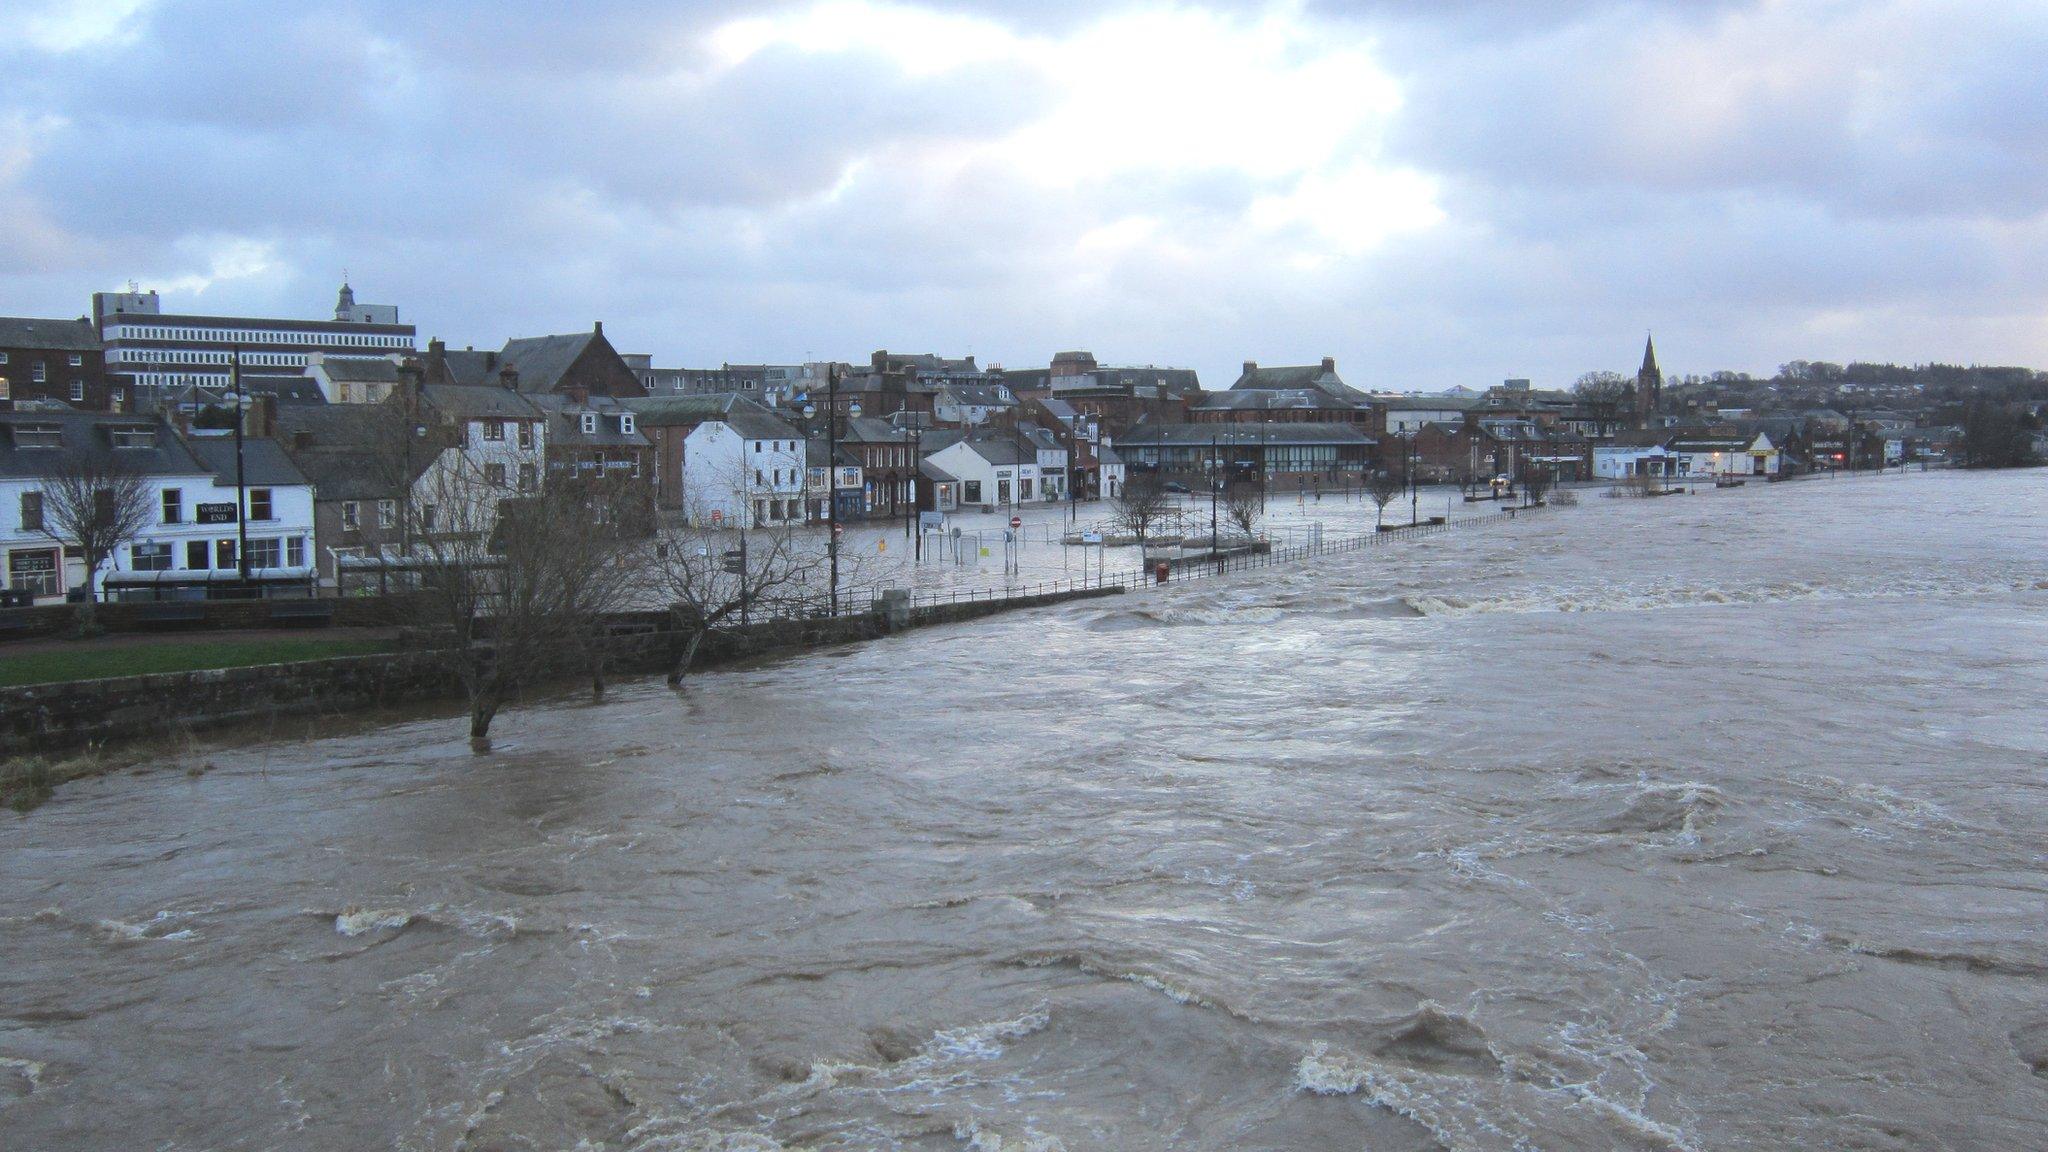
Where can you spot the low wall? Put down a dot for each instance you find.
(50, 717)
(220, 615)
(53, 717)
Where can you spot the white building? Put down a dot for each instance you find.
(966, 405)
(353, 379)
(1055, 480)
(1729, 455)
(745, 469)
(1407, 413)
(995, 472)
(192, 538)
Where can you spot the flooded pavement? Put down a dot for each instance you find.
(1699, 823)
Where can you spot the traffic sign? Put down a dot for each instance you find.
(1016, 521)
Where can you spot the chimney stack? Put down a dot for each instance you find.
(1251, 366)
(1330, 365)
(508, 378)
(597, 328)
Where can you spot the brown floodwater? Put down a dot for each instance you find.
(1712, 822)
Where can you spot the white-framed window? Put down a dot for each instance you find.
(260, 508)
(351, 515)
(265, 552)
(494, 430)
(525, 435)
(494, 475)
(31, 511)
(77, 360)
(387, 514)
(150, 557)
(295, 552)
(626, 422)
(39, 372)
(589, 424)
(174, 506)
(527, 477)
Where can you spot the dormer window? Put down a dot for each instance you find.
(589, 424)
(626, 423)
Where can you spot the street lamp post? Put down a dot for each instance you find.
(1215, 476)
(238, 402)
(831, 474)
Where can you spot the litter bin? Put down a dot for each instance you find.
(1160, 571)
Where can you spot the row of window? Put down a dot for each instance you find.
(776, 511)
(259, 336)
(494, 431)
(36, 367)
(261, 507)
(77, 389)
(202, 555)
(176, 356)
(588, 423)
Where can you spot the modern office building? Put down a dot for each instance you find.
(162, 351)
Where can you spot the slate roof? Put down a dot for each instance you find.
(1003, 451)
(565, 422)
(932, 471)
(264, 463)
(479, 402)
(1270, 400)
(542, 361)
(469, 366)
(88, 431)
(1270, 433)
(1408, 402)
(55, 335)
(360, 371)
(670, 411)
(980, 395)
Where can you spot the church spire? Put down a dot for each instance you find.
(345, 304)
(1650, 358)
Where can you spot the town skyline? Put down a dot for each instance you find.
(1434, 199)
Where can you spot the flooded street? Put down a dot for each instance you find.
(1709, 822)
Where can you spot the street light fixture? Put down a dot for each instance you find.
(239, 403)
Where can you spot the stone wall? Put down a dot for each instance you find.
(220, 615)
(53, 717)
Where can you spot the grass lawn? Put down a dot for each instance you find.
(89, 661)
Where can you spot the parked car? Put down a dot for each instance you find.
(1175, 487)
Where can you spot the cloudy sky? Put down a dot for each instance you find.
(1436, 192)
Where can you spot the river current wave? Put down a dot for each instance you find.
(1701, 823)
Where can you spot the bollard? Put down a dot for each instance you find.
(1159, 572)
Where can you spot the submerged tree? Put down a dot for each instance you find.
(1382, 488)
(1141, 505)
(517, 584)
(1243, 505)
(1536, 481)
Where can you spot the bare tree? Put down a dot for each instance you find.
(1607, 397)
(1142, 504)
(514, 583)
(1241, 504)
(1383, 488)
(711, 578)
(96, 501)
(1536, 481)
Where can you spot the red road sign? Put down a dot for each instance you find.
(1016, 521)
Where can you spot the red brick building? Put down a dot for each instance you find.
(58, 360)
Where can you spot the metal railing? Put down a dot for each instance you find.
(857, 601)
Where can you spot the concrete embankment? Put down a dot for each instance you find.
(45, 718)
